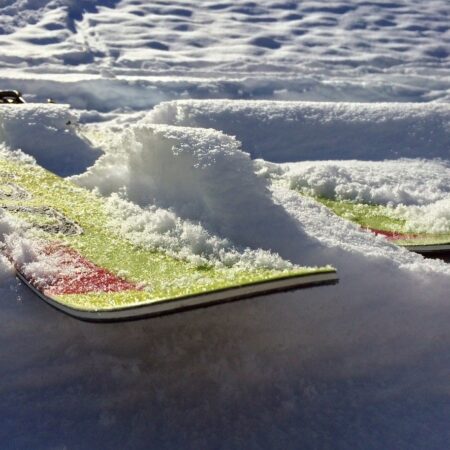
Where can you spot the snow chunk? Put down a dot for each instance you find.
(432, 218)
(46, 132)
(417, 191)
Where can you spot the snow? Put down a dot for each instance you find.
(402, 181)
(201, 174)
(415, 190)
(351, 96)
(161, 229)
(199, 121)
(432, 218)
(50, 137)
(291, 131)
(129, 53)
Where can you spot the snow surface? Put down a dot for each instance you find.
(345, 98)
(108, 54)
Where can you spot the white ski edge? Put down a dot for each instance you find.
(193, 301)
(432, 248)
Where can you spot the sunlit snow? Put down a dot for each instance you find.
(199, 121)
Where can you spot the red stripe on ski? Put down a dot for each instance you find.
(78, 275)
(394, 235)
(85, 277)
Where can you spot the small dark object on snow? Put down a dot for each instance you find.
(11, 97)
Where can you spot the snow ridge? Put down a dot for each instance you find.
(282, 131)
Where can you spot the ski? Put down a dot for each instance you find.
(66, 252)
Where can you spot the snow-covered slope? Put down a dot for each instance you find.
(245, 36)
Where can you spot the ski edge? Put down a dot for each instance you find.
(427, 248)
(190, 302)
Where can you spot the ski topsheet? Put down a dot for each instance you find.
(63, 247)
(379, 220)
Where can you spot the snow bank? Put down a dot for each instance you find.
(293, 131)
(46, 132)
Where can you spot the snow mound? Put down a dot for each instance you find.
(46, 132)
(202, 175)
(293, 131)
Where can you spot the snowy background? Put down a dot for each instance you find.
(172, 106)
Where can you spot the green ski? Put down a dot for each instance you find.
(93, 273)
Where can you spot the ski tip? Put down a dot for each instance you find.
(182, 304)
